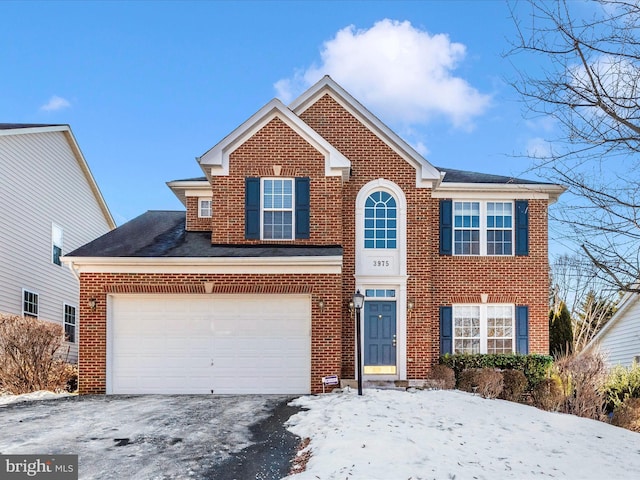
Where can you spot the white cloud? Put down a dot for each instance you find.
(539, 148)
(55, 103)
(402, 73)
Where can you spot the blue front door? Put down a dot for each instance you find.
(380, 338)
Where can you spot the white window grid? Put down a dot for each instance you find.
(277, 202)
(483, 228)
(485, 328)
(69, 322)
(204, 207)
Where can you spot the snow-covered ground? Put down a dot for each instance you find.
(444, 434)
(6, 399)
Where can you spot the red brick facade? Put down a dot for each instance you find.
(434, 280)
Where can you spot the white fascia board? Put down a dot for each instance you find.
(498, 190)
(217, 159)
(217, 265)
(89, 176)
(627, 301)
(24, 131)
(426, 174)
(190, 188)
(82, 162)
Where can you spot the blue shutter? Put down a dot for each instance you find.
(522, 227)
(522, 330)
(252, 208)
(446, 227)
(302, 207)
(446, 330)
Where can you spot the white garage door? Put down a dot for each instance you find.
(209, 344)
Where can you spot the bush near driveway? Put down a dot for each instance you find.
(31, 356)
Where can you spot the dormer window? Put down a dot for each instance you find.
(277, 208)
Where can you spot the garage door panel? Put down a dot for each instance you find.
(196, 344)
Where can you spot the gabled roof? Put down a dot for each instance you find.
(7, 129)
(216, 161)
(426, 174)
(461, 181)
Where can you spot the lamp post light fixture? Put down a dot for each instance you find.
(358, 302)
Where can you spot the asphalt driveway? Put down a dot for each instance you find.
(157, 437)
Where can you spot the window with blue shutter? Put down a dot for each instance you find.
(303, 204)
(522, 227)
(446, 330)
(446, 227)
(277, 208)
(522, 329)
(252, 208)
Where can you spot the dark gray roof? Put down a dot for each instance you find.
(452, 176)
(162, 234)
(13, 126)
(461, 176)
(195, 179)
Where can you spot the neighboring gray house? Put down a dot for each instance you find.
(50, 204)
(619, 339)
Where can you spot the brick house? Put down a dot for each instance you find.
(248, 290)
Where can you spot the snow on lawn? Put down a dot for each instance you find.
(6, 399)
(448, 434)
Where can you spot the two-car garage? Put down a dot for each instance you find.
(222, 344)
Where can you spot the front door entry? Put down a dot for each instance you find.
(379, 338)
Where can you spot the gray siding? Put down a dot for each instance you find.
(621, 342)
(42, 183)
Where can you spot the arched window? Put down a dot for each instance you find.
(380, 221)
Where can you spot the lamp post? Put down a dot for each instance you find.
(358, 302)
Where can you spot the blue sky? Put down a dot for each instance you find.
(149, 86)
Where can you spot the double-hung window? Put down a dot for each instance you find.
(204, 207)
(483, 228)
(69, 323)
(29, 304)
(483, 329)
(277, 208)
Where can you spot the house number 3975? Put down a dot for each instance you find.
(381, 263)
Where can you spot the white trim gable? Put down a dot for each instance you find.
(426, 174)
(215, 162)
(190, 188)
(626, 303)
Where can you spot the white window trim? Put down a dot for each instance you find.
(483, 228)
(64, 322)
(200, 207)
(292, 209)
(483, 324)
(375, 228)
(55, 227)
(24, 312)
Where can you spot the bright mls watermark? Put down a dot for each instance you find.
(51, 467)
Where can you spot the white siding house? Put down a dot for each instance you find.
(619, 339)
(49, 205)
